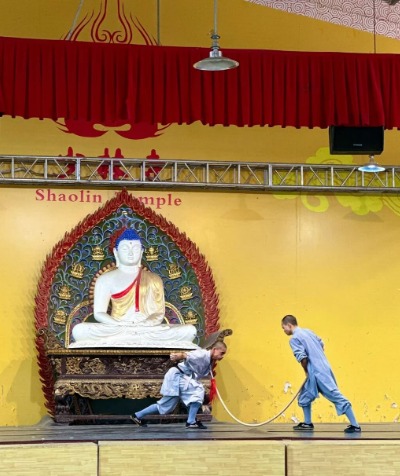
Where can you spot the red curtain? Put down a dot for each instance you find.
(110, 83)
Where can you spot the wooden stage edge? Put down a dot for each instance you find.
(224, 449)
(46, 431)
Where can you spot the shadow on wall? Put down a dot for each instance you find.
(242, 212)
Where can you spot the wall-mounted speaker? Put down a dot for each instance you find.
(356, 140)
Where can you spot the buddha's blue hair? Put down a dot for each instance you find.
(128, 234)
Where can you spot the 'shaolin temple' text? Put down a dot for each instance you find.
(88, 196)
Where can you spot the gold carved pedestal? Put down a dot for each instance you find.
(97, 374)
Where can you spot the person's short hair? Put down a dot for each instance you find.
(219, 345)
(289, 319)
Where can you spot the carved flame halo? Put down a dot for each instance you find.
(188, 248)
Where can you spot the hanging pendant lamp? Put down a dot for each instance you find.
(215, 61)
(371, 166)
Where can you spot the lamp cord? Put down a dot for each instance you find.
(78, 11)
(158, 23)
(215, 32)
(374, 19)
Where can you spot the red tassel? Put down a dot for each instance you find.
(213, 390)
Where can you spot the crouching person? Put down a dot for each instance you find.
(182, 382)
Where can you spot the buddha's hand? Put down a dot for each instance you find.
(134, 317)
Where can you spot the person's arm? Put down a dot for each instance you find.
(300, 353)
(176, 356)
(304, 364)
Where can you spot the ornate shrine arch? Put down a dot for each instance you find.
(64, 292)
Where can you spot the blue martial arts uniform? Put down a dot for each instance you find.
(306, 344)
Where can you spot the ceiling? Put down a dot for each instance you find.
(381, 17)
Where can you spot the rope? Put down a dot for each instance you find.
(264, 422)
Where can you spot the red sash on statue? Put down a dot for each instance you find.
(129, 288)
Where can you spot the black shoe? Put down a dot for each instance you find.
(304, 427)
(136, 420)
(197, 425)
(353, 429)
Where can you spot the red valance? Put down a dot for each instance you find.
(109, 83)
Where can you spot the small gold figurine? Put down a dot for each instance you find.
(98, 253)
(151, 253)
(173, 271)
(64, 292)
(185, 293)
(60, 317)
(191, 318)
(77, 270)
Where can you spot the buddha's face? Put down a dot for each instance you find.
(129, 252)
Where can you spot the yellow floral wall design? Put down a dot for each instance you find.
(358, 204)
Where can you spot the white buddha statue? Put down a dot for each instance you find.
(137, 306)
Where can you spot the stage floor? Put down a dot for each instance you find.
(224, 449)
(49, 432)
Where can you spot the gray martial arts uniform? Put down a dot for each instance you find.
(306, 344)
(183, 382)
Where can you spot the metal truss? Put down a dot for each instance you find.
(179, 174)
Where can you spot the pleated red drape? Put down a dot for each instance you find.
(110, 83)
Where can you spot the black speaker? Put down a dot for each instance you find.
(356, 140)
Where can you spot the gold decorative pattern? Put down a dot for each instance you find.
(191, 317)
(73, 365)
(121, 365)
(151, 253)
(56, 363)
(174, 271)
(64, 292)
(78, 270)
(185, 293)
(93, 366)
(51, 343)
(103, 389)
(156, 366)
(104, 351)
(98, 253)
(60, 317)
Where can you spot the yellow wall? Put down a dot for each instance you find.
(331, 260)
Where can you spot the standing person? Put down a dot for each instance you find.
(182, 382)
(308, 349)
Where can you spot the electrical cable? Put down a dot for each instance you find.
(78, 11)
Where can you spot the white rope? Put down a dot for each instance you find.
(264, 422)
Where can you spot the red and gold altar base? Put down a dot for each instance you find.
(77, 379)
